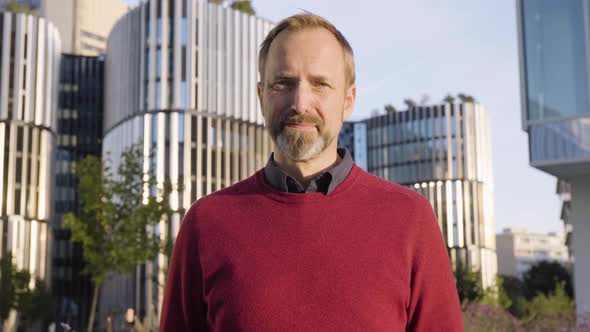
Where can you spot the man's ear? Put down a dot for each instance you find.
(349, 99)
(259, 88)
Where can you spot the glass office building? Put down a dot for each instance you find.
(181, 81)
(554, 45)
(443, 152)
(555, 74)
(29, 71)
(79, 133)
(353, 136)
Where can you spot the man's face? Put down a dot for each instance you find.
(304, 96)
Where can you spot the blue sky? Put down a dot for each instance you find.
(431, 47)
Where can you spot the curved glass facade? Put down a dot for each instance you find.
(181, 81)
(29, 70)
(443, 152)
(556, 59)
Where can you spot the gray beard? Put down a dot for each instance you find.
(299, 147)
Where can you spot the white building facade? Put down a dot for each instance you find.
(83, 24)
(518, 250)
(444, 152)
(180, 80)
(29, 72)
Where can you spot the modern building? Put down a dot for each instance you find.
(443, 152)
(31, 4)
(29, 71)
(83, 24)
(180, 79)
(79, 134)
(353, 136)
(518, 250)
(554, 45)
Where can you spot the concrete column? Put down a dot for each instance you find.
(580, 219)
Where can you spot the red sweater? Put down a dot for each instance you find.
(367, 257)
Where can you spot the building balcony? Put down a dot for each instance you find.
(561, 147)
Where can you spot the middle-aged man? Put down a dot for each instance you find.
(311, 242)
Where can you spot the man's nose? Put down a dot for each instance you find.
(302, 98)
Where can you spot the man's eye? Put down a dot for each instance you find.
(280, 85)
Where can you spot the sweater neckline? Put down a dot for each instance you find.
(299, 198)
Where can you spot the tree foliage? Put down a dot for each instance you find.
(465, 98)
(551, 312)
(495, 296)
(14, 7)
(16, 293)
(7, 287)
(542, 277)
(389, 108)
(449, 99)
(410, 103)
(34, 304)
(13, 286)
(244, 6)
(468, 285)
(118, 216)
(514, 288)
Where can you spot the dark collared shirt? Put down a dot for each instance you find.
(324, 182)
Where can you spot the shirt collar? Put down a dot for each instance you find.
(324, 182)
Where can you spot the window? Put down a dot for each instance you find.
(555, 49)
(91, 48)
(92, 36)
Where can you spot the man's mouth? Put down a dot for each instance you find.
(300, 126)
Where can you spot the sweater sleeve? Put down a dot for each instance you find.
(183, 308)
(434, 301)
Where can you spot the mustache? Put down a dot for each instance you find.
(290, 118)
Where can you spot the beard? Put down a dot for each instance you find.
(299, 145)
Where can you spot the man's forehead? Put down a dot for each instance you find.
(282, 40)
(317, 46)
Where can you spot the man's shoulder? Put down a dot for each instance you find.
(386, 189)
(231, 195)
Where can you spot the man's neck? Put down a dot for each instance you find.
(305, 171)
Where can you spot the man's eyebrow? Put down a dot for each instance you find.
(286, 75)
(320, 78)
(282, 75)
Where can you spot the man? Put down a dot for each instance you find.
(311, 242)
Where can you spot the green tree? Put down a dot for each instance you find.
(495, 296)
(34, 304)
(389, 108)
(541, 278)
(13, 286)
(7, 289)
(465, 98)
(515, 290)
(14, 7)
(449, 98)
(244, 6)
(551, 312)
(468, 285)
(410, 103)
(115, 222)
